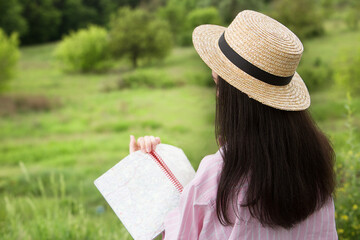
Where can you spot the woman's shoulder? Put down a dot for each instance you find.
(209, 160)
(205, 182)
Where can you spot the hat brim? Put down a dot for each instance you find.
(292, 97)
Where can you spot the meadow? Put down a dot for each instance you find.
(59, 132)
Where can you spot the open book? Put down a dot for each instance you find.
(143, 187)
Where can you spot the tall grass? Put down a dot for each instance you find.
(53, 213)
(347, 203)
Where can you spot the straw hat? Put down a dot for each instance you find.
(257, 55)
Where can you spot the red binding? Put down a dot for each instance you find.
(167, 171)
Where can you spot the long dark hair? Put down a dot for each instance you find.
(282, 156)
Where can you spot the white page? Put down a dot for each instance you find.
(140, 193)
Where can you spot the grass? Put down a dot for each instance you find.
(86, 134)
(49, 159)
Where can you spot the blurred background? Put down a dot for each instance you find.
(77, 77)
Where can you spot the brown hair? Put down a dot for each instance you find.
(283, 156)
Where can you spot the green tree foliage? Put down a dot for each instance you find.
(86, 50)
(303, 17)
(175, 13)
(230, 8)
(10, 17)
(153, 5)
(328, 7)
(200, 16)
(9, 55)
(182, 16)
(139, 35)
(43, 21)
(77, 14)
(104, 8)
(39, 21)
(74, 15)
(209, 15)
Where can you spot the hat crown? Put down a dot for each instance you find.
(265, 43)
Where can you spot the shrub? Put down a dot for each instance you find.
(347, 71)
(303, 17)
(9, 56)
(146, 78)
(86, 50)
(316, 75)
(230, 8)
(23, 104)
(200, 78)
(209, 15)
(139, 35)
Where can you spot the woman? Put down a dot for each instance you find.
(272, 177)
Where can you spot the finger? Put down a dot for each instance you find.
(132, 145)
(157, 140)
(147, 143)
(142, 144)
(153, 143)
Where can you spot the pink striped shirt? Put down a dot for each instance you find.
(195, 217)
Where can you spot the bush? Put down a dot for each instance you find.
(139, 35)
(10, 105)
(200, 78)
(347, 71)
(9, 56)
(146, 78)
(316, 75)
(86, 50)
(303, 17)
(209, 15)
(230, 8)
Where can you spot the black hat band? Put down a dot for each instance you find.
(249, 68)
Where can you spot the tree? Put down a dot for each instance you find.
(303, 17)
(230, 8)
(209, 15)
(43, 21)
(139, 34)
(175, 13)
(104, 8)
(86, 50)
(10, 17)
(9, 56)
(74, 15)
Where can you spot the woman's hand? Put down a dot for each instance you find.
(145, 144)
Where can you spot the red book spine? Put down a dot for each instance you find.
(166, 170)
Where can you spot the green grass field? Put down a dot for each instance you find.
(59, 132)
